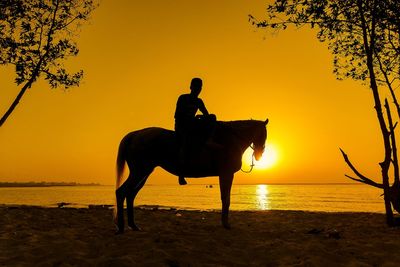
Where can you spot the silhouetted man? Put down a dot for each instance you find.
(186, 123)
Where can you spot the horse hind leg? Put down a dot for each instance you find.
(120, 193)
(136, 183)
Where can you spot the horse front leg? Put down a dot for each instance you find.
(225, 185)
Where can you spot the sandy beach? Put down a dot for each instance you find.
(34, 236)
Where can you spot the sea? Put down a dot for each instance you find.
(305, 197)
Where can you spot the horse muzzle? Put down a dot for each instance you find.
(258, 155)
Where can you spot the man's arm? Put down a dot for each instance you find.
(178, 107)
(202, 107)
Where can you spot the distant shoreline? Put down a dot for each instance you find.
(43, 184)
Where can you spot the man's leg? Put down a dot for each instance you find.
(181, 159)
(181, 166)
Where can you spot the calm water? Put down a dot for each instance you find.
(244, 197)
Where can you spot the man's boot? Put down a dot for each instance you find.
(182, 180)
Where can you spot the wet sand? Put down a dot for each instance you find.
(33, 236)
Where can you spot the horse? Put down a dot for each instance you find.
(145, 149)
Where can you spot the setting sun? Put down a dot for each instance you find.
(267, 161)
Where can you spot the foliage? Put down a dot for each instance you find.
(340, 25)
(37, 36)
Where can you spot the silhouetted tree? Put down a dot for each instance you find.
(363, 36)
(37, 36)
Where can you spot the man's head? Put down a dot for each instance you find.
(196, 85)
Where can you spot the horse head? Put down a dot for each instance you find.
(260, 136)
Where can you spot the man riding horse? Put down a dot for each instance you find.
(188, 152)
(191, 129)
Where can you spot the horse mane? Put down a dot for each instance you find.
(226, 130)
(240, 124)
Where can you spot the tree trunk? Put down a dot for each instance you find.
(394, 193)
(369, 48)
(35, 75)
(15, 103)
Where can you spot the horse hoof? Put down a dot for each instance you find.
(119, 232)
(134, 228)
(226, 226)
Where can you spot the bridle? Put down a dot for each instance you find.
(252, 161)
(251, 146)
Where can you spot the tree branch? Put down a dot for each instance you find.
(396, 49)
(365, 182)
(362, 179)
(389, 84)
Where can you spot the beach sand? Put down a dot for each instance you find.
(33, 236)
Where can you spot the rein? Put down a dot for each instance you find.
(252, 162)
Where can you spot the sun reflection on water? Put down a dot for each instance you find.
(262, 197)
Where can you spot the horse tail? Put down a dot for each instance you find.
(120, 166)
(120, 162)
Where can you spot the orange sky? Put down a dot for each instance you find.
(139, 56)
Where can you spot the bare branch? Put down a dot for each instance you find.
(365, 182)
(362, 179)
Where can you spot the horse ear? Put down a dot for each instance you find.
(266, 121)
